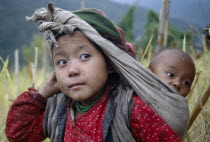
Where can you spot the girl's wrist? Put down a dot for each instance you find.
(44, 93)
(36, 95)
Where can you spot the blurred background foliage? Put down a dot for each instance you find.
(34, 61)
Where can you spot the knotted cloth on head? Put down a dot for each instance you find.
(172, 107)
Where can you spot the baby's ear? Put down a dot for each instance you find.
(148, 68)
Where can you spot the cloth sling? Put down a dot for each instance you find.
(166, 102)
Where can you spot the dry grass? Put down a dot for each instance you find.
(8, 92)
(198, 132)
(199, 102)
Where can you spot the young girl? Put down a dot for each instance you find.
(97, 80)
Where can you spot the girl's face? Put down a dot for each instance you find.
(80, 68)
(175, 69)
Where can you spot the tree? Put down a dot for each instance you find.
(151, 29)
(28, 51)
(163, 18)
(127, 24)
(82, 2)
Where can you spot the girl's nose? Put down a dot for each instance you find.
(73, 70)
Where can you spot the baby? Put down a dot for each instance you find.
(174, 67)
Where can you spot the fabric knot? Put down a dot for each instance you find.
(49, 36)
(131, 48)
(50, 10)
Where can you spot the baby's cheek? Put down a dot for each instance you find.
(186, 92)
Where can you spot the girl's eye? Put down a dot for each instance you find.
(186, 83)
(84, 56)
(62, 62)
(170, 74)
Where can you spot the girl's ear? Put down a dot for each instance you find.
(109, 66)
(110, 69)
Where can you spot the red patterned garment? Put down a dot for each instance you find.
(147, 126)
(88, 126)
(25, 117)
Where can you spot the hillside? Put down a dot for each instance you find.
(15, 31)
(193, 12)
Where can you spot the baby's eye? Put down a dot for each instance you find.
(84, 56)
(62, 62)
(170, 74)
(186, 83)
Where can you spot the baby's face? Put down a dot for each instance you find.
(176, 69)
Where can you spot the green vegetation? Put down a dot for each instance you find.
(127, 24)
(151, 29)
(28, 51)
(34, 73)
(198, 132)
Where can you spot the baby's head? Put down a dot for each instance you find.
(175, 68)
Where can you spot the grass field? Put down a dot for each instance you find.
(11, 85)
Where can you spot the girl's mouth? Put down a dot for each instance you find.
(76, 85)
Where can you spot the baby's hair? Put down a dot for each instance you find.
(166, 49)
(158, 52)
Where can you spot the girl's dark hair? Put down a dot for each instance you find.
(125, 49)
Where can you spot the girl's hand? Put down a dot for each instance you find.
(50, 87)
